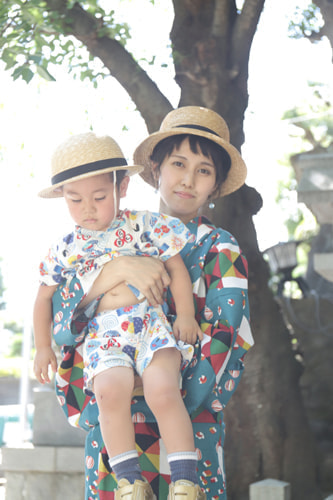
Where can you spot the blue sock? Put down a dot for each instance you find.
(126, 465)
(183, 465)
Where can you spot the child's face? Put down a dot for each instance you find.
(91, 201)
(185, 181)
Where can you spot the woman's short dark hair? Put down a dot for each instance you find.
(208, 148)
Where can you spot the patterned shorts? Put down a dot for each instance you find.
(128, 336)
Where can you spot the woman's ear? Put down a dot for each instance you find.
(123, 187)
(155, 172)
(214, 193)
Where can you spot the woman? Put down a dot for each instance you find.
(192, 161)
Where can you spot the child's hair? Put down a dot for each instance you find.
(198, 144)
(120, 174)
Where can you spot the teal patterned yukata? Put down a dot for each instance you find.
(218, 272)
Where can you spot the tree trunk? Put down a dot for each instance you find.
(326, 9)
(267, 433)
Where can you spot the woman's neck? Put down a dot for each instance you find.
(164, 209)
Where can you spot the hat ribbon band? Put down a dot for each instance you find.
(87, 168)
(198, 127)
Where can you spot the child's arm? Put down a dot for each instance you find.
(185, 327)
(42, 320)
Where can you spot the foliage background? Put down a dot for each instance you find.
(37, 116)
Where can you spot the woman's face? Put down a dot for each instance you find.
(186, 180)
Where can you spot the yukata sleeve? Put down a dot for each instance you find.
(69, 330)
(169, 235)
(225, 320)
(65, 302)
(223, 317)
(51, 269)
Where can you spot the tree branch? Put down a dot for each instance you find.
(326, 9)
(244, 30)
(150, 101)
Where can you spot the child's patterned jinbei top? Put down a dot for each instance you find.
(83, 252)
(218, 272)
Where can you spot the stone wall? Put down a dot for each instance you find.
(310, 321)
(52, 466)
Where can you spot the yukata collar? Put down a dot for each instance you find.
(200, 226)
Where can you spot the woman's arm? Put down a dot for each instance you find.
(224, 320)
(147, 274)
(227, 307)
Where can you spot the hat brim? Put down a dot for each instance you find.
(236, 175)
(54, 191)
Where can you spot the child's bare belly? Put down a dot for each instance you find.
(119, 296)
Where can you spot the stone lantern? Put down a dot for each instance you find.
(314, 173)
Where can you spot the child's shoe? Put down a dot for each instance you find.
(140, 490)
(185, 490)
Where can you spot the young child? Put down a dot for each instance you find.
(127, 336)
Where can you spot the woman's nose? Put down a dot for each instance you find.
(188, 179)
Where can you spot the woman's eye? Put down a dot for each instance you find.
(76, 201)
(178, 163)
(101, 198)
(204, 171)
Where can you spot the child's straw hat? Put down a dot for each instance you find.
(82, 156)
(199, 121)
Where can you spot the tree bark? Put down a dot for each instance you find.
(267, 433)
(150, 101)
(326, 9)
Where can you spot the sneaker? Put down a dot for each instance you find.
(140, 490)
(185, 490)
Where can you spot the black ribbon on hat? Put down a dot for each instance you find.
(198, 127)
(87, 168)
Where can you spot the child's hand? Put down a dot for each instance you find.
(44, 357)
(186, 328)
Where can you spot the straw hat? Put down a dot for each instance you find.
(199, 121)
(82, 156)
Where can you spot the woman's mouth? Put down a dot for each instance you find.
(184, 194)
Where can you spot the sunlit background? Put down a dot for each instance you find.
(36, 117)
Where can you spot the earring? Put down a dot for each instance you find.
(156, 184)
(211, 205)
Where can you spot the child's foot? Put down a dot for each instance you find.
(185, 490)
(140, 490)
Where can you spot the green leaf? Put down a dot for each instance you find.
(35, 58)
(27, 74)
(17, 72)
(45, 74)
(9, 58)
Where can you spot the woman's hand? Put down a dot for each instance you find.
(147, 274)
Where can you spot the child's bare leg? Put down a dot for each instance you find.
(162, 394)
(113, 390)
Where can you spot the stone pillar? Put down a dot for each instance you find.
(52, 466)
(270, 489)
(44, 472)
(50, 426)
